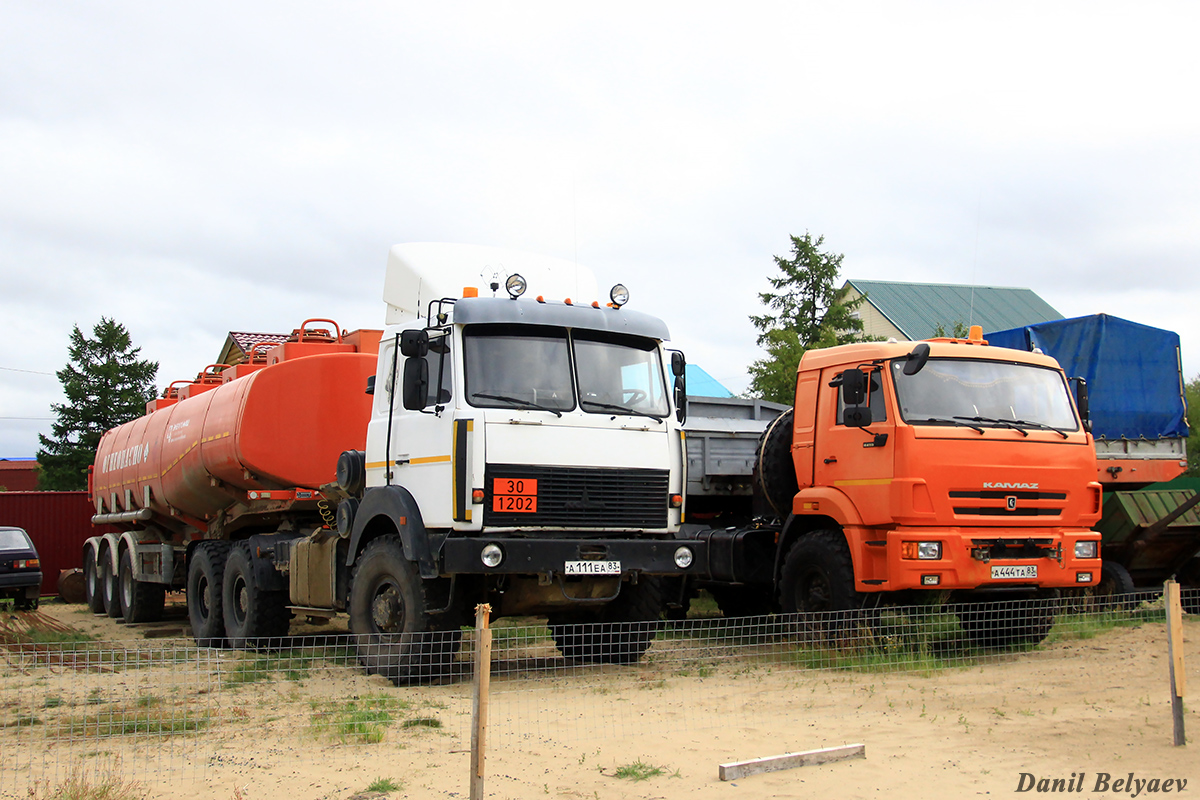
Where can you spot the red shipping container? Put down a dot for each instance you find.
(58, 523)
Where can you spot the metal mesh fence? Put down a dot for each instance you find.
(169, 709)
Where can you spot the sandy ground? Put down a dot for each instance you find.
(1092, 707)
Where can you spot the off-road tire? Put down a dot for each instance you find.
(109, 589)
(775, 471)
(92, 591)
(1009, 624)
(1115, 588)
(250, 612)
(816, 585)
(140, 601)
(619, 633)
(206, 574)
(389, 610)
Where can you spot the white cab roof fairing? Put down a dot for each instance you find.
(420, 272)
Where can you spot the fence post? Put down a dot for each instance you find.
(1175, 657)
(483, 673)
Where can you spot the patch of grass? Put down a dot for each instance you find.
(1071, 627)
(423, 722)
(638, 771)
(76, 787)
(385, 785)
(130, 722)
(52, 701)
(44, 636)
(292, 665)
(148, 701)
(357, 720)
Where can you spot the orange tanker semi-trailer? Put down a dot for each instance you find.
(241, 451)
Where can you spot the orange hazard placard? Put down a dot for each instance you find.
(514, 494)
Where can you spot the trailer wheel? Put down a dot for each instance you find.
(1009, 623)
(389, 609)
(92, 590)
(250, 612)
(140, 601)
(109, 590)
(773, 465)
(206, 572)
(620, 633)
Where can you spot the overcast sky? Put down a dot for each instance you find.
(191, 169)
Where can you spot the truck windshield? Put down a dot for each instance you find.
(620, 375)
(528, 367)
(984, 393)
(505, 369)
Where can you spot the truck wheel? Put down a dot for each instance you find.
(742, 601)
(620, 633)
(776, 472)
(206, 572)
(250, 612)
(389, 610)
(140, 601)
(1009, 623)
(93, 593)
(1114, 588)
(817, 584)
(109, 590)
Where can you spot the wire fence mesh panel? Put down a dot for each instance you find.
(167, 709)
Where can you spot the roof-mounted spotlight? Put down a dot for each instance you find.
(515, 285)
(619, 295)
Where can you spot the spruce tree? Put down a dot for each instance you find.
(809, 312)
(105, 384)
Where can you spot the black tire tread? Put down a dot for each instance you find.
(148, 599)
(775, 471)
(620, 633)
(268, 615)
(216, 551)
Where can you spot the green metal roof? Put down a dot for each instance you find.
(918, 308)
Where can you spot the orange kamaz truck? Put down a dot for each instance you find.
(945, 466)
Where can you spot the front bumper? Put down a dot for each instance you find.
(987, 559)
(529, 556)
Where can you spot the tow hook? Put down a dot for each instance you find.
(1056, 554)
(983, 554)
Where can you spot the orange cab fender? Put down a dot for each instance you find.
(392, 509)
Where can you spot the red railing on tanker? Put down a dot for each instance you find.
(58, 523)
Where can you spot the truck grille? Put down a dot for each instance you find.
(1003, 503)
(570, 497)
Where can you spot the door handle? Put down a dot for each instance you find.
(831, 460)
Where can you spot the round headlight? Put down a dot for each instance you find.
(683, 557)
(515, 286)
(492, 555)
(619, 295)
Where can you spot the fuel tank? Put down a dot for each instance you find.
(278, 421)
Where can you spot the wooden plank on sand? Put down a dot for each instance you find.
(755, 766)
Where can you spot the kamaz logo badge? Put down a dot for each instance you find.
(1010, 485)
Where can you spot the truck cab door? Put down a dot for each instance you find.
(856, 461)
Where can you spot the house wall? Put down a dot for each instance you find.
(874, 322)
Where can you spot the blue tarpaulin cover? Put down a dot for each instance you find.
(1132, 370)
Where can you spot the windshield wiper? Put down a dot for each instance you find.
(624, 409)
(1042, 427)
(943, 421)
(991, 420)
(518, 402)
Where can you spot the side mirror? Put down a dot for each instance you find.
(678, 364)
(917, 359)
(416, 383)
(414, 344)
(857, 416)
(1081, 401)
(681, 400)
(854, 387)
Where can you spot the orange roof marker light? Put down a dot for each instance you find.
(976, 333)
(470, 291)
(567, 301)
(619, 295)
